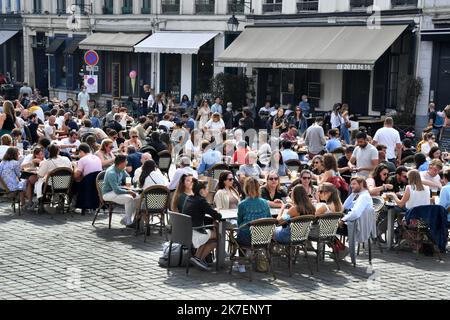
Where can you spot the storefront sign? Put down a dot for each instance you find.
(364, 67)
(91, 83)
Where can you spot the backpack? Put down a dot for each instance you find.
(341, 185)
(179, 255)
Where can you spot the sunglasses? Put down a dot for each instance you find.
(230, 179)
(273, 179)
(317, 162)
(306, 178)
(134, 136)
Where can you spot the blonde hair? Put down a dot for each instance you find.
(8, 108)
(104, 144)
(251, 188)
(415, 180)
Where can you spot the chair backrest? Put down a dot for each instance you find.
(338, 153)
(328, 224)
(3, 187)
(378, 203)
(408, 159)
(165, 160)
(217, 169)
(261, 231)
(99, 183)
(300, 227)
(293, 165)
(152, 151)
(181, 228)
(59, 180)
(155, 199)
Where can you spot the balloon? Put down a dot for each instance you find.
(133, 74)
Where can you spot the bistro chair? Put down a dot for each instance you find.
(10, 195)
(164, 162)
(367, 221)
(338, 153)
(294, 165)
(327, 227)
(217, 169)
(152, 151)
(300, 228)
(57, 189)
(261, 234)
(408, 161)
(102, 203)
(154, 201)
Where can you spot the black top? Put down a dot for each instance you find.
(145, 99)
(265, 194)
(407, 153)
(397, 185)
(197, 207)
(115, 125)
(158, 145)
(33, 131)
(248, 124)
(8, 124)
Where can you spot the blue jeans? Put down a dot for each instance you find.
(283, 235)
(345, 133)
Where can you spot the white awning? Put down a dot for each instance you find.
(175, 42)
(324, 47)
(122, 42)
(6, 35)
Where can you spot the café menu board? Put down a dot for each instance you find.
(115, 80)
(444, 141)
(314, 90)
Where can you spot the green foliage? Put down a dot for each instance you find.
(231, 88)
(414, 88)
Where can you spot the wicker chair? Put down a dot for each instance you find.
(300, 227)
(261, 234)
(56, 189)
(294, 165)
(164, 162)
(103, 204)
(153, 201)
(217, 169)
(10, 195)
(328, 225)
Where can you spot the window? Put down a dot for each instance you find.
(272, 6)
(405, 3)
(360, 4)
(307, 6)
(37, 6)
(127, 7)
(61, 7)
(18, 9)
(204, 6)
(146, 6)
(170, 6)
(8, 6)
(108, 7)
(81, 6)
(205, 67)
(236, 6)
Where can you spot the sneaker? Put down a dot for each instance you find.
(200, 263)
(239, 268)
(132, 225)
(123, 221)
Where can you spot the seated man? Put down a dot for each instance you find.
(431, 177)
(114, 192)
(445, 193)
(209, 159)
(333, 143)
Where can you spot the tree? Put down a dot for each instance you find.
(231, 88)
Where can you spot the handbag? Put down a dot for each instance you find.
(348, 124)
(262, 263)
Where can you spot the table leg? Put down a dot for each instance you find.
(221, 239)
(390, 227)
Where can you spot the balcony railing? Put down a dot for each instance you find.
(272, 7)
(127, 10)
(404, 3)
(170, 8)
(307, 6)
(237, 8)
(358, 4)
(204, 7)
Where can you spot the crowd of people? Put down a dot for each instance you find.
(339, 171)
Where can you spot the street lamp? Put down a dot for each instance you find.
(233, 22)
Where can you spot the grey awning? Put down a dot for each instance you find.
(6, 35)
(318, 47)
(72, 47)
(112, 41)
(54, 46)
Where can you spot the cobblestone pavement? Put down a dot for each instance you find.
(64, 257)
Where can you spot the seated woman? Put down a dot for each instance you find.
(306, 181)
(302, 206)
(184, 190)
(10, 173)
(252, 208)
(272, 191)
(421, 162)
(377, 182)
(226, 197)
(330, 169)
(277, 164)
(105, 153)
(416, 194)
(435, 153)
(53, 162)
(331, 201)
(150, 176)
(133, 141)
(197, 207)
(250, 168)
(317, 165)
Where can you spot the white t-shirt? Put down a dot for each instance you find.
(425, 148)
(336, 120)
(49, 131)
(67, 142)
(426, 176)
(364, 158)
(83, 98)
(215, 125)
(167, 124)
(418, 198)
(389, 137)
(154, 178)
(150, 101)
